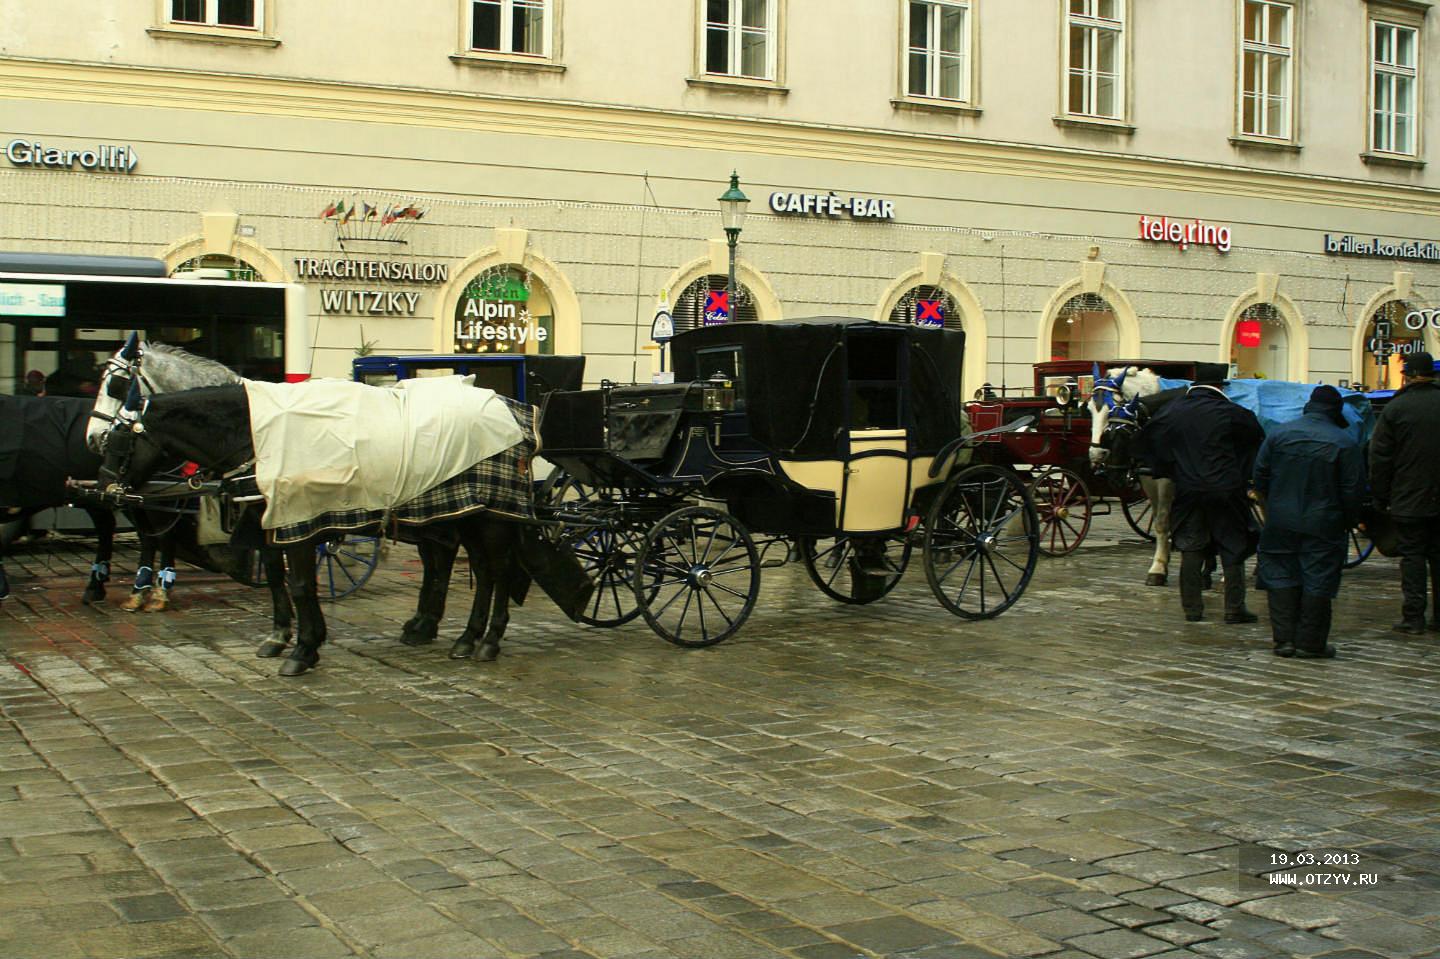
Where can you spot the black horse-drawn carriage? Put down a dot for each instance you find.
(842, 441)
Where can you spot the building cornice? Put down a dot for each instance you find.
(234, 93)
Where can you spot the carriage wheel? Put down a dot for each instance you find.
(981, 542)
(1360, 547)
(562, 488)
(1062, 502)
(697, 577)
(1140, 514)
(346, 563)
(856, 569)
(608, 556)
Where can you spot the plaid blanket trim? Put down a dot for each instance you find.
(501, 485)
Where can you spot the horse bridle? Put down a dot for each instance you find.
(117, 372)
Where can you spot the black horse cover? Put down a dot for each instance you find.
(42, 442)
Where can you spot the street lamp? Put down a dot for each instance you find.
(732, 217)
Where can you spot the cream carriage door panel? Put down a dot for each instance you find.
(877, 487)
(820, 476)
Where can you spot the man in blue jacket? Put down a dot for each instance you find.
(1311, 473)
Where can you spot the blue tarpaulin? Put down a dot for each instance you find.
(1274, 402)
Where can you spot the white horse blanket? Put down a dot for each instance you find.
(329, 445)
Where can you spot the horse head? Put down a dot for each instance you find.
(121, 376)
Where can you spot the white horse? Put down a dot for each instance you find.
(1116, 416)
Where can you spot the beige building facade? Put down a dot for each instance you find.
(1244, 180)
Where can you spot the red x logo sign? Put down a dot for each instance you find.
(929, 310)
(718, 301)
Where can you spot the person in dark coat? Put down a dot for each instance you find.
(1311, 474)
(1207, 445)
(1405, 480)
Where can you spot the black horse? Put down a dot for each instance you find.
(211, 427)
(42, 443)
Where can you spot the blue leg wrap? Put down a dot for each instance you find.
(100, 572)
(167, 578)
(144, 578)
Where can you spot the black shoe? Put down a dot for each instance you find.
(1327, 653)
(1287, 651)
(1409, 628)
(1241, 616)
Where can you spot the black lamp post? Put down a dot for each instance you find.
(732, 217)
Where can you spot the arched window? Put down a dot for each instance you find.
(698, 305)
(218, 266)
(924, 305)
(1085, 328)
(506, 309)
(1261, 347)
(1387, 342)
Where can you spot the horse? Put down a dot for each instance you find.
(155, 368)
(210, 426)
(1120, 403)
(42, 443)
(158, 368)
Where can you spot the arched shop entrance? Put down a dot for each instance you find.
(1388, 340)
(1260, 348)
(704, 303)
(505, 309)
(1086, 327)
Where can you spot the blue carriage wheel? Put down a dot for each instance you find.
(347, 563)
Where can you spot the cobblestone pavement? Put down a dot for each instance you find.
(1076, 778)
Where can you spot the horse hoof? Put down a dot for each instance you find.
(92, 595)
(489, 652)
(298, 667)
(1155, 579)
(271, 648)
(416, 639)
(462, 649)
(134, 602)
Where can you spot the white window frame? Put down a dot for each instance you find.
(1264, 50)
(1390, 74)
(735, 37)
(933, 54)
(212, 17)
(507, 16)
(1093, 25)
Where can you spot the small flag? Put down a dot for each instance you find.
(340, 208)
(389, 216)
(369, 211)
(348, 214)
(329, 212)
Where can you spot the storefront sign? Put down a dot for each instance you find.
(662, 328)
(1247, 333)
(1382, 249)
(1419, 319)
(106, 157)
(1381, 347)
(32, 299)
(371, 302)
(503, 322)
(717, 307)
(828, 204)
(930, 314)
(1195, 233)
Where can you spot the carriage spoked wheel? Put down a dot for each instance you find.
(1062, 503)
(697, 577)
(1140, 514)
(1359, 547)
(981, 542)
(346, 563)
(856, 569)
(609, 558)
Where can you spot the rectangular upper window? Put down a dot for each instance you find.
(245, 14)
(1267, 69)
(937, 49)
(740, 38)
(1095, 58)
(521, 27)
(1394, 87)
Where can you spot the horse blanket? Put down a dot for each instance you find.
(42, 442)
(1276, 401)
(327, 446)
(501, 484)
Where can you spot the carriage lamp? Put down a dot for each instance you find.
(733, 204)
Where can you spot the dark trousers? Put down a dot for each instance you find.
(1419, 542)
(1192, 576)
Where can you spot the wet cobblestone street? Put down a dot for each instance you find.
(1079, 777)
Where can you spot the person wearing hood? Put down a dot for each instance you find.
(1207, 445)
(1310, 473)
(1405, 480)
